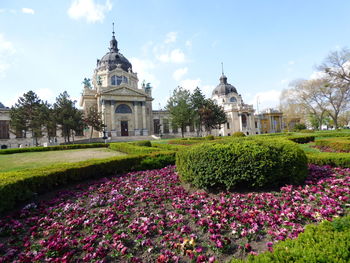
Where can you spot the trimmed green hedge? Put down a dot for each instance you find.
(332, 134)
(54, 148)
(22, 185)
(168, 147)
(244, 163)
(333, 159)
(326, 242)
(337, 144)
(142, 143)
(130, 148)
(238, 134)
(301, 138)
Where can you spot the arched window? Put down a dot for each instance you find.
(233, 99)
(123, 108)
(117, 80)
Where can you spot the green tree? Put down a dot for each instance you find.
(26, 115)
(94, 120)
(212, 115)
(49, 120)
(180, 108)
(67, 115)
(197, 101)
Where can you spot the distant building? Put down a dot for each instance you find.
(269, 121)
(240, 116)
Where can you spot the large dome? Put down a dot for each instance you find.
(224, 88)
(113, 58)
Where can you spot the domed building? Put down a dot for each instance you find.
(240, 116)
(126, 109)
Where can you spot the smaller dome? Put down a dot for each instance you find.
(224, 88)
(2, 106)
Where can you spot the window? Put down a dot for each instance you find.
(165, 125)
(228, 125)
(117, 80)
(233, 99)
(4, 130)
(123, 108)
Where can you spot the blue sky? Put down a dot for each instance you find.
(49, 46)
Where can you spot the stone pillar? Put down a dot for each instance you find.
(144, 124)
(112, 115)
(240, 122)
(161, 125)
(136, 115)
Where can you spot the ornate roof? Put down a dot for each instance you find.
(224, 88)
(113, 58)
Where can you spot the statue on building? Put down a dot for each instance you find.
(87, 83)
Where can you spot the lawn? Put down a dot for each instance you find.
(20, 161)
(150, 216)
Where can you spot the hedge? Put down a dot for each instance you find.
(53, 148)
(244, 163)
(332, 134)
(130, 148)
(168, 147)
(337, 144)
(333, 159)
(326, 242)
(142, 143)
(22, 185)
(301, 138)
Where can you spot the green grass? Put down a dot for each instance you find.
(20, 161)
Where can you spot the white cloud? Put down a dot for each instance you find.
(179, 73)
(291, 62)
(188, 43)
(144, 69)
(190, 84)
(7, 49)
(174, 56)
(28, 11)
(89, 10)
(266, 99)
(170, 37)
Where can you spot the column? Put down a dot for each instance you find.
(112, 115)
(144, 124)
(240, 122)
(136, 115)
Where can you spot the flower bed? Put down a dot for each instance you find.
(149, 217)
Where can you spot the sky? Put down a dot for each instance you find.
(50, 46)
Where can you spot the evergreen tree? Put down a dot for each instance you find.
(212, 115)
(197, 101)
(94, 120)
(180, 108)
(67, 115)
(26, 115)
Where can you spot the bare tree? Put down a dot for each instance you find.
(337, 90)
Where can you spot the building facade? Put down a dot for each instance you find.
(240, 116)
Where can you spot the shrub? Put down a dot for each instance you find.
(241, 162)
(307, 131)
(54, 148)
(168, 147)
(326, 242)
(333, 159)
(299, 126)
(301, 138)
(332, 134)
(238, 134)
(131, 148)
(142, 143)
(209, 137)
